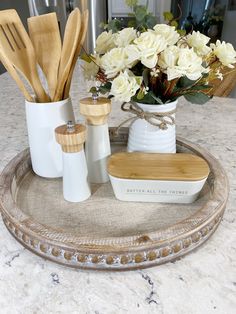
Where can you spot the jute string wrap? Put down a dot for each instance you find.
(159, 119)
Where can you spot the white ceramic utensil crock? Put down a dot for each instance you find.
(145, 137)
(42, 119)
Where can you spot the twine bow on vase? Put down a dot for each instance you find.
(159, 119)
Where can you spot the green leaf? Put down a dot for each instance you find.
(86, 58)
(149, 98)
(205, 75)
(200, 87)
(140, 13)
(204, 64)
(103, 25)
(145, 75)
(114, 25)
(140, 95)
(174, 23)
(93, 90)
(197, 98)
(151, 21)
(131, 3)
(103, 89)
(186, 82)
(132, 23)
(168, 16)
(182, 32)
(139, 79)
(157, 99)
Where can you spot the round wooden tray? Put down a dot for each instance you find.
(102, 232)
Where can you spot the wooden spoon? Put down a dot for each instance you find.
(45, 36)
(83, 32)
(70, 43)
(15, 43)
(12, 71)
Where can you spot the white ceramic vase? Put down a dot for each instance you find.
(42, 119)
(145, 137)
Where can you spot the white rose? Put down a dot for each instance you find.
(124, 87)
(225, 53)
(168, 62)
(177, 62)
(149, 59)
(104, 42)
(125, 37)
(169, 57)
(113, 62)
(168, 32)
(90, 69)
(173, 73)
(199, 42)
(190, 64)
(150, 45)
(132, 55)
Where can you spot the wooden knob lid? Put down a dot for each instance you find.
(71, 137)
(95, 110)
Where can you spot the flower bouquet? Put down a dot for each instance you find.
(148, 69)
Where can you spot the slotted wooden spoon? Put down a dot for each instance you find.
(83, 32)
(45, 36)
(16, 44)
(69, 46)
(12, 71)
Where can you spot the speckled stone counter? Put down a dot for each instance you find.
(202, 282)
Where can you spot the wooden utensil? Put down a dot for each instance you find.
(45, 36)
(83, 32)
(69, 46)
(12, 71)
(15, 43)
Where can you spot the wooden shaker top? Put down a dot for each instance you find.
(96, 111)
(71, 142)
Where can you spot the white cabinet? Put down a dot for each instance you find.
(118, 8)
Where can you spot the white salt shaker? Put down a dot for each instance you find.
(75, 173)
(97, 147)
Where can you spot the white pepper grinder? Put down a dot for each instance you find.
(75, 173)
(97, 147)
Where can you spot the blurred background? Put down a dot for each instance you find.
(215, 18)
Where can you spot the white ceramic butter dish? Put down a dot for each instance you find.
(152, 177)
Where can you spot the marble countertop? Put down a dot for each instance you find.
(202, 282)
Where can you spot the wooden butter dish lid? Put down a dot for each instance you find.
(154, 166)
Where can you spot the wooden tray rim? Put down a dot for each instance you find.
(169, 241)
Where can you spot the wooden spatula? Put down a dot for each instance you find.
(83, 32)
(69, 46)
(12, 71)
(15, 43)
(45, 36)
